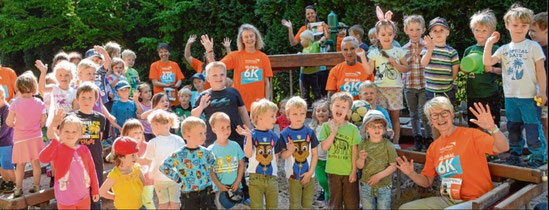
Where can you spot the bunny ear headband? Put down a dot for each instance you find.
(387, 17)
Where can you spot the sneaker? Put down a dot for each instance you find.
(247, 202)
(321, 196)
(3, 187)
(34, 189)
(418, 143)
(397, 146)
(9, 187)
(105, 144)
(514, 160)
(534, 163)
(17, 192)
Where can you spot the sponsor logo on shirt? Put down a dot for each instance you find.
(449, 167)
(251, 75)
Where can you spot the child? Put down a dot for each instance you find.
(57, 58)
(229, 157)
(62, 95)
(414, 81)
(145, 103)
(372, 38)
(340, 138)
(341, 33)
(102, 59)
(166, 75)
(86, 72)
(262, 147)
(6, 146)
(388, 62)
(192, 167)
(221, 99)
(199, 81)
(538, 33)
(125, 179)
(301, 163)
(158, 149)
(27, 116)
(116, 74)
(75, 57)
(358, 32)
(377, 158)
(522, 69)
(131, 74)
(73, 163)
(125, 109)
(369, 92)
(308, 74)
(183, 110)
(281, 119)
(200, 65)
(113, 49)
(321, 114)
(159, 101)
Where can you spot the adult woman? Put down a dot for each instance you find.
(310, 17)
(458, 155)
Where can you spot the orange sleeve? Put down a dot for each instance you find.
(196, 65)
(303, 28)
(338, 42)
(484, 143)
(331, 84)
(429, 167)
(178, 74)
(230, 60)
(267, 66)
(153, 72)
(327, 31)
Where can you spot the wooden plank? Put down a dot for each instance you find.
(26, 200)
(294, 61)
(492, 197)
(522, 197)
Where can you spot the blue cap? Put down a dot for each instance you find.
(229, 199)
(121, 84)
(198, 76)
(91, 53)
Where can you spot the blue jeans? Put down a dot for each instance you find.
(415, 99)
(522, 113)
(379, 199)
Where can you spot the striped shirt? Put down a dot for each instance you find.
(415, 78)
(438, 73)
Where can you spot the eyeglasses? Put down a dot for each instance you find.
(376, 126)
(443, 114)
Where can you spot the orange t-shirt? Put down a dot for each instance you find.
(7, 81)
(197, 66)
(167, 73)
(347, 78)
(303, 28)
(338, 42)
(462, 155)
(250, 72)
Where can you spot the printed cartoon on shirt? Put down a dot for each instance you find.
(514, 64)
(252, 73)
(300, 155)
(90, 131)
(339, 148)
(385, 70)
(264, 155)
(226, 164)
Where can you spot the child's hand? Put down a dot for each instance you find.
(428, 42)
(373, 180)
(352, 177)
(306, 177)
(223, 188)
(205, 101)
(494, 38)
(488, 69)
(407, 167)
(286, 23)
(136, 94)
(333, 126)
(226, 42)
(101, 50)
(290, 146)
(41, 66)
(188, 87)
(235, 185)
(191, 39)
(243, 131)
(392, 62)
(58, 116)
(95, 198)
(543, 98)
(360, 52)
(207, 42)
(362, 155)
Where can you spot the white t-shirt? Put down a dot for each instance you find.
(387, 75)
(518, 61)
(158, 149)
(60, 99)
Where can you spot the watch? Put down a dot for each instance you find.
(494, 131)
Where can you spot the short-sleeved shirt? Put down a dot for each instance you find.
(197, 65)
(544, 48)
(462, 155)
(92, 126)
(124, 111)
(250, 72)
(111, 78)
(127, 187)
(227, 101)
(438, 73)
(182, 114)
(415, 78)
(6, 132)
(282, 122)
(74, 186)
(518, 61)
(339, 159)
(303, 28)
(158, 149)
(145, 122)
(345, 78)
(7, 81)
(484, 84)
(226, 162)
(387, 75)
(132, 76)
(102, 84)
(190, 167)
(312, 48)
(28, 112)
(166, 73)
(380, 155)
(305, 142)
(265, 146)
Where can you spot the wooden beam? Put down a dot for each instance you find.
(294, 61)
(489, 198)
(26, 200)
(522, 197)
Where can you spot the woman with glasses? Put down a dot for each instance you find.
(458, 156)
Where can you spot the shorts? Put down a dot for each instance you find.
(167, 191)
(544, 112)
(392, 97)
(5, 158)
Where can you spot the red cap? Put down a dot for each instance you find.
(124, 146)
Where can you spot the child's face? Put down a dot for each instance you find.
(248, 38)
(97, 60)
(124, 93)
(164, 103)
(86, 100)
(481, 33)
(439, 34)
(118, 69)
(368, 94)
(537, 34)
(196, 135)
(222, 129)
(128, 160)
(372, 39)
(517, 28)
(305, 42)
(297, 116)
(282, 109)
(321, 114)
(145, 93)
(375, 130)
(198, 84)
(137, 134)
(70, 134)
(357, 37)
(340, 109)
(342, 32)
(164, 54)
(266, 120)
(129, 60)
(414, 31)
(184, 99)
(87, 74)
(63, 77)
(158, 128)
(216, 77)
(385, 37)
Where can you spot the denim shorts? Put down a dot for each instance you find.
(5, 158)
(372, 198)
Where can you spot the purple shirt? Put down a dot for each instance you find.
(145, 122)
(28, 112)
(6, 132)
(74, 186)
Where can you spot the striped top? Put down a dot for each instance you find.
(438, 73)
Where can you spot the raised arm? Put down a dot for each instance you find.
(42, 80)
(208, 46)
(204, 102)
(487, 57)
(245, 131)
(291, 36)
(326, 144)
(188, 55)
(227, 45)
(430, 47)
(106, 56)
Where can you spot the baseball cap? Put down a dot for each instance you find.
(229, 199)
(124, 146)
(342, 25)
(198, 76)
(91, 53)
(121, 84)
(438, 21)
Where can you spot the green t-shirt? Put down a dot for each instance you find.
(379, 156)
(339, 160)
(484, 84)
(312, 48)
(133, 77)
(182, 114)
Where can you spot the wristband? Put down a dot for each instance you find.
(210, 51)
(494, 131)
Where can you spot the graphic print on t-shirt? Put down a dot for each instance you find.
(351, 83)
(90, 131)
(167, 77)
(220, 102)
(226, 164)
(340, 149)
(252, 73)
(514, 64)
(264, 155)
(449, 166)
(384, 70)
(300, 155)
(6, 93)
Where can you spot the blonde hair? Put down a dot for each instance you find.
(540, 20)
(130, 125)
(75, 55)
(317, 105)
(116, 61)
(127, 53)
(520, 13)
(26, 83)
(439, 102)
(367, 84)
(191, 122)
(112, 47)
(184, 91)
(414, 19)
(297, 103)
(344, 96)
(258, 39)
(86, 64)
(163, 117)
(307, 34)
(71, 119)
(219, 116)
(215, 64)
(87, 87)
(358, 30)
(485, 17)
(260, 107)
(372, 33)
(67, 65)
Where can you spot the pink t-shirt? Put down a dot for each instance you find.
(28, 112)
(74, 186)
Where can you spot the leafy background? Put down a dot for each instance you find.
(37, 29)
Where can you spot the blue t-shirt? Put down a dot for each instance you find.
(226, 162)
(123, 111)
(265, 144)
(190, 167)
(305, 141)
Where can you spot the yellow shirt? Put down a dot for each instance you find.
(127, 188)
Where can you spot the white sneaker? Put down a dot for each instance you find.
(397, 146)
